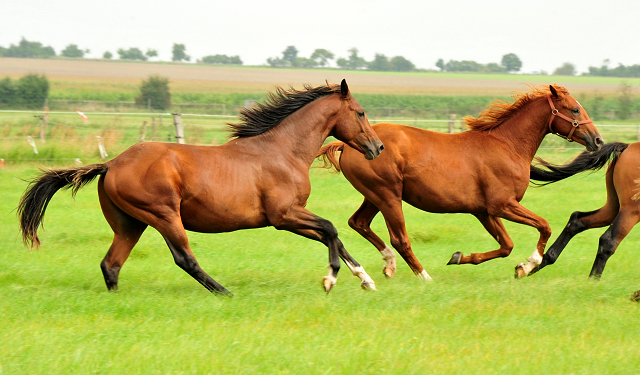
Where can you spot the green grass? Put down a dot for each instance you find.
(57, 316)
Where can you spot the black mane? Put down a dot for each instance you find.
(262, 117)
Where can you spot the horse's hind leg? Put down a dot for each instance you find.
(176, 238)
(578, 223)
(611, 238)
(581, 221)
(494, 226)
(127, 231)
(361, 223)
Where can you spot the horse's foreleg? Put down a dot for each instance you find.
(361, 223)
(176, 238)
(578, 222)
(494, 226)
(303, 222)
(394, 218)
(611, 238)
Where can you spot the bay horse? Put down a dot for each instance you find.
(259, 178)
(621, 212)
(483, 171)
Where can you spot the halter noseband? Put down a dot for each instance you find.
(575, 123)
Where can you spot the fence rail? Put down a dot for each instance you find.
(112, 132)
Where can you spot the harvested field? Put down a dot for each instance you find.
(204, 78)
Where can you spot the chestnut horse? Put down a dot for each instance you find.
(483, 171)
(621, 212)
(259, 178)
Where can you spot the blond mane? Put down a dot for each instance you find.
(499, 111)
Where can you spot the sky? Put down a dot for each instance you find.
(544, 34)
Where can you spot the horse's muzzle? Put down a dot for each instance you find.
(373, 149)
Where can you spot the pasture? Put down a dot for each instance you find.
(58, 316)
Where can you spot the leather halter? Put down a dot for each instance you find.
(575, 123)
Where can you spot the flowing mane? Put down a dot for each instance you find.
(499, 111)
(262, 117)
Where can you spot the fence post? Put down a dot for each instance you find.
(452, 121)
(177, 121)
(103, 151)
(153, 128)
(32, 144)
(143, 132)
(43, 127)
(638, 132)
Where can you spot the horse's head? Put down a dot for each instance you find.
(570, 120)
(352, 126)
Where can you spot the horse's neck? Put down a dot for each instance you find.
(526, 129)
(303, 132)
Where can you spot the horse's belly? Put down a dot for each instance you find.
(444, 198)
(216, 218)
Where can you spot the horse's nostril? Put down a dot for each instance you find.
(381, 148)
(599, 141)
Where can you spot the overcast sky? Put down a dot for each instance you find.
(543, 34)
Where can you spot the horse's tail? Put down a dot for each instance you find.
(592, 161)
(329, 155)
(41, 189)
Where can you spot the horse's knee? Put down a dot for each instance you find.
(400, 242)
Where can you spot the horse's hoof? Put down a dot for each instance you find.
(388, 272)
(519, 271)
(368, 285)
(327, 284)
(636, 296)
(455, 258)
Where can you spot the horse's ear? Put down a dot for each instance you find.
(554, 93)
(344, 89)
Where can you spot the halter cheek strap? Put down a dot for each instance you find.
(575, 123)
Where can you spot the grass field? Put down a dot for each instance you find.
(58, 318)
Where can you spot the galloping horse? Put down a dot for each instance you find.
(259, 178)
(621, 210)
(483, 171)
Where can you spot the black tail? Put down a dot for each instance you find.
(35, 199)
(592, 161)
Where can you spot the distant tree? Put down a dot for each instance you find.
(511, 62)
(322, 56)
(8, 92)
(567, 69)
(151, 53)
(494, 68)
(107, 55)
(27, 49)
(288, 59)
(156, 90)
(440, 64)
(353, 62)
(380, 62)
(290, 54)
(462, 66)
(400, 64)
(619, 71)
(222, 59)
(32, 90)
(179, 53)
(72, 50)
(131, 54)
(303, 62)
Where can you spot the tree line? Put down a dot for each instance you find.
(321, 58)
(318, 59)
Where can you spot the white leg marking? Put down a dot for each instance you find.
(367, 281)
(533, 261)
(424, 276)
(389, 255)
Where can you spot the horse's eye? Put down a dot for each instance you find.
(575, 111)
(361, 114)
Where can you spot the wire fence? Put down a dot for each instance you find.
(65, 136)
